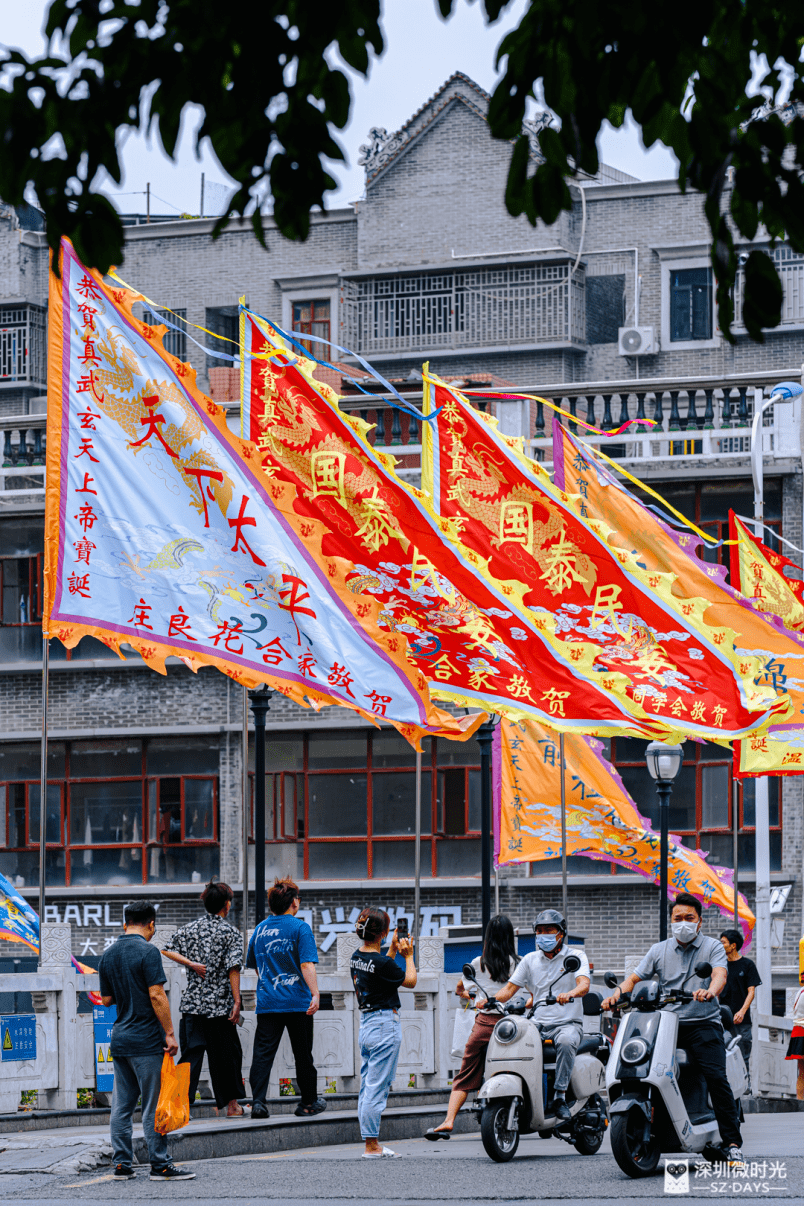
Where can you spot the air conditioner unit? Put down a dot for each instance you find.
(637, 341)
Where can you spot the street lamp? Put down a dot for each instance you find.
(485, 736)
(664, 763)
(258, 699)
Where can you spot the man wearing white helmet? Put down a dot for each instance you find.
(562, 1023)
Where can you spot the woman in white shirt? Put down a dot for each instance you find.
(492, 970)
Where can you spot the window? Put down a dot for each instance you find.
(175, 342)
(313, 318)
(223, 321)
(702, 801)
(22, 343)
(605, 308)
(21, 608)
(119, 811)
(790, 266)
(690, 304)
(346, 800)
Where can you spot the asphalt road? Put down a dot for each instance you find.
(543, 1170)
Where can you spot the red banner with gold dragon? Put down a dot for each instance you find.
(615, 620)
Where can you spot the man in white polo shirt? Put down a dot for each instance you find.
(562, 1022)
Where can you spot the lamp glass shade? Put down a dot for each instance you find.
(664, 761)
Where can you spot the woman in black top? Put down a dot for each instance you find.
(377, 979)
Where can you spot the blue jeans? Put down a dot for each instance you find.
(135, 1076)
(380, 1040)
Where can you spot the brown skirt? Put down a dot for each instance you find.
(473, 1065)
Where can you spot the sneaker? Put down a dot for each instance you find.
(123, 1172)
(171, 1173)
(560, 1109)
(734, 1157)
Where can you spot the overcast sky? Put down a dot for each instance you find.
(422, 51)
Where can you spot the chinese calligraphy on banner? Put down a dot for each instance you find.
(780, 749)
(467, 633)
(758, 573)
(617, 623)
(603, 822)
(163, 534)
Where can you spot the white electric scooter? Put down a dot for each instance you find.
(520, 1069)
(658, 1099)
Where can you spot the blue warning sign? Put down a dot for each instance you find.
(103, 1018)
(17, 1036)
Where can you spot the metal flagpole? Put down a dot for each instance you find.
(246, 817)
(417, 859)
(43, 791)
(563, 829)
(734, 828)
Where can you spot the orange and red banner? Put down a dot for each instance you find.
(602, 821)
(618, 623)
(468, 633)
(163, 534)
(780, 654)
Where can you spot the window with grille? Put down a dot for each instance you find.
(790, 266)
(22, 343)
(528, 304)
(313, 318)
(175, 342)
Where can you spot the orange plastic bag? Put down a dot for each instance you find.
(173, 1107)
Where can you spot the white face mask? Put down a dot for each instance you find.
(684, 931)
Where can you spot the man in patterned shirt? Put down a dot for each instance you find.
(212, 951)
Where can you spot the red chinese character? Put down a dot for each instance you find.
(295, 597)
(86, 311)
(239, 523)
(83, 548)
(89, 355)
(378, 702)
(307, 665)
(228, 633)
(180, 625)
(142, 614)
(85, 488)
(86, 516)
(78, 584)
(85, 385)
(153, 421)
(87, 287)
(198, 474)
(338, 677)
(88, 418)
(86, 449)
(274, 653)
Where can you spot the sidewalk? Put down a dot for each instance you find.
(64, 1150)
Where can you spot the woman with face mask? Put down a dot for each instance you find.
(492, 969)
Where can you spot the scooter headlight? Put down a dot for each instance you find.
(634, 1051)
(506, 1030)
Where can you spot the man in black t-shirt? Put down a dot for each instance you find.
(741, 984)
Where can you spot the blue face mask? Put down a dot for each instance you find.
(546, 942)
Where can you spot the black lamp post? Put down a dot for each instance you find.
(664, 763)
(259, 706)
(485, 736)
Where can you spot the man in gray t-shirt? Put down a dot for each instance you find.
(131, 977)
(699, 1030)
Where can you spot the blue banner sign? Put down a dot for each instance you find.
(103, 1018)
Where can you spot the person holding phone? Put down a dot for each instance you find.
(377, 979)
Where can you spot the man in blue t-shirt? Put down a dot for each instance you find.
(283, 952)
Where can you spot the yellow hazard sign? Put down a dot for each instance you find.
(101, 1060)
(7, 1043)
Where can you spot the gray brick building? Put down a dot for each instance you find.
(609, 312)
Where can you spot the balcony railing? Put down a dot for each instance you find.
(701, 421)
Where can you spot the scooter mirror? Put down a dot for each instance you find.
(703, 970)
(468, 971)
(571, 963)
(610, 980)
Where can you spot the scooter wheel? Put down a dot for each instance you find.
(499, 1142)
(634, 1156)
(588, 1144)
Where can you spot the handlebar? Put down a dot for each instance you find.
(680, 997)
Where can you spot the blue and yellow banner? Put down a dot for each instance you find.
(18, 921)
